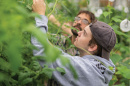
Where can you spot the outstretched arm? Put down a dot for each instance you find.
(39, 7)
(64, 28)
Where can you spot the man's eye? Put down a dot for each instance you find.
(84, 33)
(78, 18)
(85, 21)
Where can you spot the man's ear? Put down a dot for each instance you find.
(92, 48)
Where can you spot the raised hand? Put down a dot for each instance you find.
(39, 7)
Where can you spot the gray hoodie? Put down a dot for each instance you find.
(89, 68)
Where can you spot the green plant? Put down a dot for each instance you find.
(18, 66)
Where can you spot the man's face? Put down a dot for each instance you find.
(81, 21)
(83, 38)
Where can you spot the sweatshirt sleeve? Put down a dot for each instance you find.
(42, 24)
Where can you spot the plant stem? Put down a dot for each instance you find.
(47, 5)
(53, 9)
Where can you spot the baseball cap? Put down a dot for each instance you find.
(105, 37)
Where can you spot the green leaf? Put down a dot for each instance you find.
(124, 71)
(3, 76)
(4, 64)
(110, 7)
(126, 63)
(111, 68)
(116, 19)
(64, 60)
(74, 29)
(14, 55)
(75, 75)
(48, 72)
(110, 24)
(121, 33)
(26, 81)
(49, 1)
(106, 13)
(122, 84)
(113, 81)
(29, 7)
(23, 76)
(62, 70)
(55, 52)
(36, 65)
(88, 1)
(115, 58)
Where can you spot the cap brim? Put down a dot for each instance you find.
(105, 54)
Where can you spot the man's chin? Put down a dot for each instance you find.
(75, 43)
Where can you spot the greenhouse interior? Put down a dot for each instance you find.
(65, 43)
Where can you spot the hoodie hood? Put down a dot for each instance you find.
(103, 66)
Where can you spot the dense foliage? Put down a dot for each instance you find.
(18, 66)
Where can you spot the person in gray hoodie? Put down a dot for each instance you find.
(95, 42)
